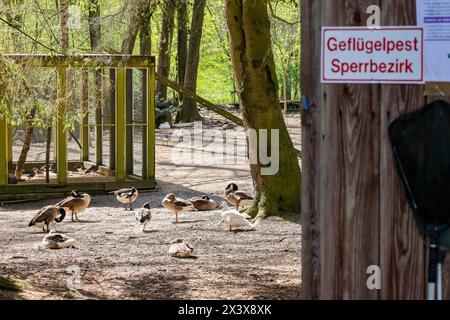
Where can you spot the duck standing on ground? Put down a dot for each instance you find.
(55, 240)
(234, 219)
(203, 203)
(75, 203)
(174, 204)
(47, 215)
(237, 197)
(180, 249)
(144, 215)
(126, 196)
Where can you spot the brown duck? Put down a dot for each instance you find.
(76, 203)
(237, 197)
(203, 203)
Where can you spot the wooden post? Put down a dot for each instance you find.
(98, 79)
(145, 106)
(310, 68)
(354, 208)
(10, 144)
(112, 128)
(3, 152)
(150, 120)
(403, 255)
(61, 133)
(120, 125)
(129, 120)
(84, 130)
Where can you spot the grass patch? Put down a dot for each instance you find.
(8, 283)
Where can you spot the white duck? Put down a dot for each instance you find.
(234, 219)
(55, 240)
(126, 196)
(180, 249)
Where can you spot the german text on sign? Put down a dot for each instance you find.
(362, 55)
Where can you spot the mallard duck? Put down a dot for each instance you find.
(47, 215)
(126, 196)
(180, 249)
(203, 203)
(75, 203)
(237, 197)
(55, 240)
(234, 219)
(174, 204)
(144, 215)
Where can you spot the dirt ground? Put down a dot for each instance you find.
(117, 261)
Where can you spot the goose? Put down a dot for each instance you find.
(237, 197)
(203, 203)
(55, 240)
(234, 219)
(47, 215)
(126, 196)
(144, 215)
(174, 204)
(180, 249)
(75, 203)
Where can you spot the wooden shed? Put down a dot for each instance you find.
(355, 211)
(118, 156)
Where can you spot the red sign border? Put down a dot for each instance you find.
(325, 29)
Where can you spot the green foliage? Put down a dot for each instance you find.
(215, 82)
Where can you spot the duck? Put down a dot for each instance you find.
(80, 168)
(92, 169)
(75, 203)
(234, 219)
(47, 215)
(180, 249)
(203, 203)
(126, 196)
(174, 204)
(55, 240)
(144, 215)
(237, 197)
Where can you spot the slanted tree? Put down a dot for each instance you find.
(139, 8)
(257, 86)
(165, 45)
(189, 111)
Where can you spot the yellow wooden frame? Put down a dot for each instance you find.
(61, 63)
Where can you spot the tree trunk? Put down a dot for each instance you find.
(94, 25)
(17, 20)
(165, 45)
(189, 112)
(63, 18)
(182, 45)
(256, 82)
(28, 135)
(145, 33)
(133, 27)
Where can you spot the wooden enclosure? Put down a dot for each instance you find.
(354, 208)
(120, 126)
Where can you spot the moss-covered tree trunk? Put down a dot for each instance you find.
(189, 112)
(256, 81)
(165, 45)
(182, 42)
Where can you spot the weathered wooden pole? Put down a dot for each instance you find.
(355, 212)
